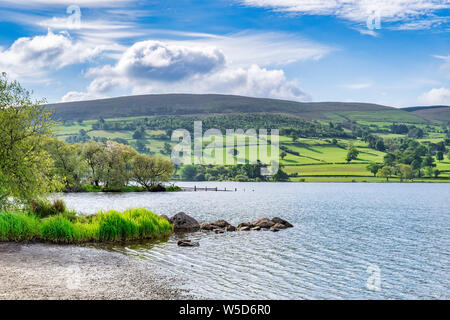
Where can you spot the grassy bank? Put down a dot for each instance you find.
(110, 226)
(159, 188)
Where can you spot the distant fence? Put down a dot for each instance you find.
(195, 188)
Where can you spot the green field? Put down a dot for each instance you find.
(316, 159)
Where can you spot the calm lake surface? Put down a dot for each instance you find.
(343, 235)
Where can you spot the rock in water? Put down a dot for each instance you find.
(207, 226)
(264, 223)
(279, 226)
(221, 223)
(230, 228)
(184, 223)
(243, 224)
(188, 243)
(282, 222)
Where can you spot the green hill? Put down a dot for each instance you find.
(439, 113)
(207, 104)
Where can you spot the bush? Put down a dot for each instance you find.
(132, 224)
(59, 229)
(17, 226)
(113, 226)
(44, 208)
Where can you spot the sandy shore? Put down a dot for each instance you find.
(44, 271)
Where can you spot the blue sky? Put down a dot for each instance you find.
(304, 50)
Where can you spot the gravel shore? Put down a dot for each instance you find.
(45, 271)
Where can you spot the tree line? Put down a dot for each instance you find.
(34, 163)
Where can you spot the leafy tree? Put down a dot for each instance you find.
(280, 176)
(283, 154)
(374, 168)
(440, 155)
(294, 136)
(149, 171)
(406, 172)
(436, 173)
(429, 171)
(116, 165)
(141, 146)
(167, 149)
(189, 172)
(428, 161)
(386, 172)
(352, 153)
(25, 165)
(94, 153)
(67, 163)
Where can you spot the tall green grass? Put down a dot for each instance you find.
(18, 226)
(110, 226)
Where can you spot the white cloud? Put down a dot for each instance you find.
(39, 54)
(157, 67)
(358, 10)
(265, 49)
(436, 96)
(166, 62)
(446, 59)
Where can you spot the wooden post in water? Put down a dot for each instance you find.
(216, 188)
(195, 188)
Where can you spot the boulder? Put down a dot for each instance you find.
(219, 231)
(257, 228)
(230, 228)
(188, 243)
(243, 228)
(279, 226)
(184, 223)
(221, 224)
(244, 224)
(264, 223)
(273, 229)
(282, 221)
(207, 226)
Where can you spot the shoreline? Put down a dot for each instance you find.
(40, 271)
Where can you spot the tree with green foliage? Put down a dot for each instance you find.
(436, 173)
(386, 172)
(428, 161)
(167, 149)
(67, 163)
(116, 165)
(294, 136)
(93, 154)
(150, 171)
(374, 168)
(440, 155)
(352, 153)
(429, 171)
(405, 172)
(283, 155)
(25, 125)
(189, 172)
(280, 176)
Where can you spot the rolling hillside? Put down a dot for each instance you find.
(192, 104)
(440, 113)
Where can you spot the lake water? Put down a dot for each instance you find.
(345, 238)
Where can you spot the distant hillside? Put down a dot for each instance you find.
(440, 113)
(196, 104)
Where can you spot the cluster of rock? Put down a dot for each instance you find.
(184, 223)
